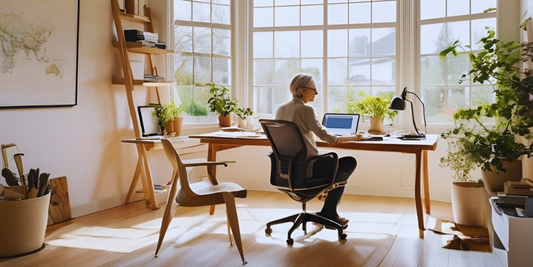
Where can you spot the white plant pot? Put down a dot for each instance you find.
(243, 123)
(250, 120)
(467, 203)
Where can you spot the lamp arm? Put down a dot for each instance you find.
(423, 109)
(413, 115)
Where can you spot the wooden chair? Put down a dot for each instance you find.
(204, 193)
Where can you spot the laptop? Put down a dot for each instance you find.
(149, 125)
(341, 124)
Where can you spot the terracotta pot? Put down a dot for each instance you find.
(467, 204)
(494, 182)
(23, 225)
(170, 127)
(376, 124)
(177, 123)
(224, 121)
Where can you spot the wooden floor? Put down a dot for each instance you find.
(99, 238)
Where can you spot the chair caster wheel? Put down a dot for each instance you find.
(343, 237)
(268, 231)
(290, 241)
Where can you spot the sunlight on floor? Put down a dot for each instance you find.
(189, 224)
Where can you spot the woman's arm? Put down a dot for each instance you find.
(342, 139)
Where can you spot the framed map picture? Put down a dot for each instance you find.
(38, 53)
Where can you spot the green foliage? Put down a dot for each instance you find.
(374, 106)
(167, 112)
(11, 178)
(242, 113)
(220, 102)
(473, 144)
(173, 110)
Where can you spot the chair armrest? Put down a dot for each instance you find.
(205, 163)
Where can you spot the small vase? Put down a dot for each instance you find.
(224, 121)
(243, 123)
(376, 125)
(250, 120)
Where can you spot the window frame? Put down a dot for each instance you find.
(416, 72)
(399, 32)
(211, 25)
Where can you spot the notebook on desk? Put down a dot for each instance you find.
(149, 125)
(341, 124)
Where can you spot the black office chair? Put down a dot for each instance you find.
(288, 174)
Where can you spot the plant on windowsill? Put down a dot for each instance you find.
(377, 107)
(163, 116)
(221, 104)
(494, 148)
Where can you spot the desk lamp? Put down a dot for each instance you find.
(398, 103)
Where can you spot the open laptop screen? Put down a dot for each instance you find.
(149, 123)
(341, 124)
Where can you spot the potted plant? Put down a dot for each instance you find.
(176, 119)
(221, 104)
(249, 114)
(494, 148)
(240, 112)
(163, 116)
(377, 107)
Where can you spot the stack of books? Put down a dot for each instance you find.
(137, 38)
(153, 78)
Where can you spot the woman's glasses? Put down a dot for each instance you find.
(314, 89)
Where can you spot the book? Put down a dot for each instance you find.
(517, 188)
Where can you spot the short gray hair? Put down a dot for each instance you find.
(300, 80)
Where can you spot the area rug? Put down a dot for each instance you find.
(462, 237)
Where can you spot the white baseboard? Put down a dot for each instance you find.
(110, 202)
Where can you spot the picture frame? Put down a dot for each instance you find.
(39, 46)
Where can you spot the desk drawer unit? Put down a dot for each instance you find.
(516, 236)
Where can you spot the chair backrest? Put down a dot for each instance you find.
(179, 170)
(289, 147)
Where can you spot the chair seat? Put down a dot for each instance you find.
(209, 194)
(206, 188)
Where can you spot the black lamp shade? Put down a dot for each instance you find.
(397, 103)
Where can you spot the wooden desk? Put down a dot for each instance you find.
(222, 141)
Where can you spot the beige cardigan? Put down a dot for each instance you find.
(304, 116)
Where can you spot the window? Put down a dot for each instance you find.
(347, 45)
(202, 44)
(441, 23)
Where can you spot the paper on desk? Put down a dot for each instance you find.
(237, 134)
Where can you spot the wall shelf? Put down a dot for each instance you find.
(143, 83)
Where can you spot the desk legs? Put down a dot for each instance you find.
(418, 198)
(142, 170)
(426, 182)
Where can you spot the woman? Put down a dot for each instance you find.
(304, 90)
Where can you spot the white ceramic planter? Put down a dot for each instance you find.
(243, 123)
(23, 225)
(250, 120)
(467, 203)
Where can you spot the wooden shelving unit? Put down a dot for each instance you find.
(143, 169)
